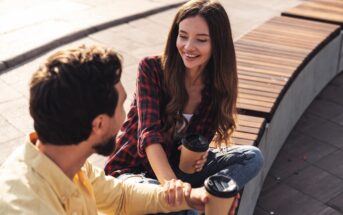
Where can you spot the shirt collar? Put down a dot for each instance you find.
(47, 169)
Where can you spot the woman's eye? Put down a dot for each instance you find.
(202, 40)
(182, 36)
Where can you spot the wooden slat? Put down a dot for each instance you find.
(269, 58)
(258, 93)
(261, 78)
(238, 141)
(330, 11)
(249, 130)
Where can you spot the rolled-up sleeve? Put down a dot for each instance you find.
(149, 90)
(116, 197)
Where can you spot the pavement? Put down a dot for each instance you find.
(307, 176)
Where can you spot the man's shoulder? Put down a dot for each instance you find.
(14, 166)
(22, 189)
(17, 178)
(17, 195)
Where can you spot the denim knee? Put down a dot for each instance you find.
(257, 160)
(244, 163)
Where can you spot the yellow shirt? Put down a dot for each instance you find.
(30, 183)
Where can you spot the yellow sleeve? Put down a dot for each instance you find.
(116, 197)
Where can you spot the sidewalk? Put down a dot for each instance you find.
(68, 23)
(29, 28)
(307, 176)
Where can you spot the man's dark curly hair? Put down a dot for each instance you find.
(71, 89)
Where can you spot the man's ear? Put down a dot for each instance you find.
(98, 125)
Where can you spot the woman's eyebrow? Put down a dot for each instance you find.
(201, 34)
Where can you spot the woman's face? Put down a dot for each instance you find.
(194, 42)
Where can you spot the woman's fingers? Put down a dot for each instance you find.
(201, 162)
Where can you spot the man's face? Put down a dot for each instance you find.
(112, 124)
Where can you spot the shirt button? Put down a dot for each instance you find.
(64, 199)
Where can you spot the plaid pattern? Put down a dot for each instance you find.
(144, 124)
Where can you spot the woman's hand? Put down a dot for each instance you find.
(175, 190)
(234, 205)
(199, 164)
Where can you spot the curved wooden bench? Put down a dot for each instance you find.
(328, 11)
(282, 66)
(249, 130)
(270, 57)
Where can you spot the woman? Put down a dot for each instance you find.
(192, 88)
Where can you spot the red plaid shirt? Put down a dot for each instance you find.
(143, 126)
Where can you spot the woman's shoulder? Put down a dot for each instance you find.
(152, 61)
(151, 68)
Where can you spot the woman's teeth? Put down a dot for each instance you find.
(190, 55)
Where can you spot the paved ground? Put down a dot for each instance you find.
(307, 175)
(39, 25)
(297, 174)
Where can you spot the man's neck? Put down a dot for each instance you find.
(69, 158)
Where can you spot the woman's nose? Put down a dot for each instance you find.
(189, 45)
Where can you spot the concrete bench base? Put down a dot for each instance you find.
(340, 69)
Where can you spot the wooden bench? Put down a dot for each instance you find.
(270, 57)
(249, 130)
(328, 11)
(282, 66)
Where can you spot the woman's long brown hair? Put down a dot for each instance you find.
(221, 70)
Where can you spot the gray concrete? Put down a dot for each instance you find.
(307, 175)
(34, 27)
(340, 66)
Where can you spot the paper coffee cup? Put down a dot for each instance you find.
(193, 147)
(221, 190)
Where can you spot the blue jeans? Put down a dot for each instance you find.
(241, 163)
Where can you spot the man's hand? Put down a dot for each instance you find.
(197, 198)
(234, 204)
(175, 190)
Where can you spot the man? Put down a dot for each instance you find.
(76, 102)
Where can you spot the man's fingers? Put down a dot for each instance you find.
(234, 204)
(187, 189)
(178, 192)
(171, 192)
(166, 191)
